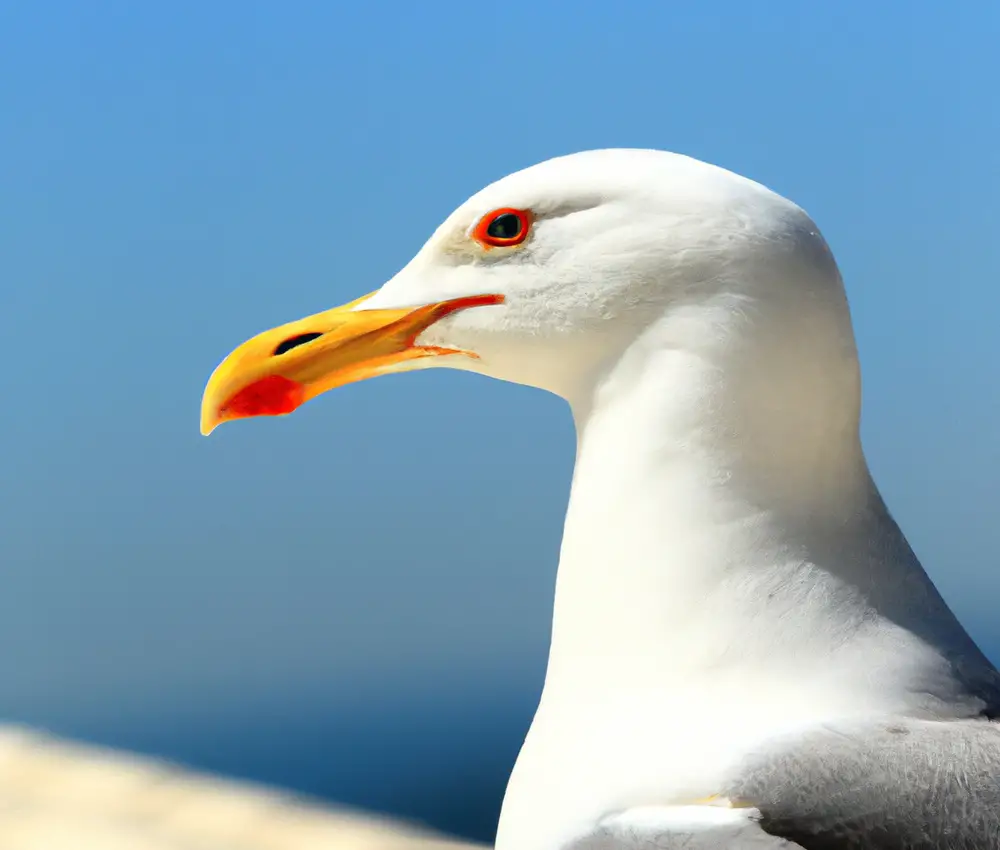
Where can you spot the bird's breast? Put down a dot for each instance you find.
(586, 757)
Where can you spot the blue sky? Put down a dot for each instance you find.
(176, 176)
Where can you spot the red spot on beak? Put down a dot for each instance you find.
(270, 396)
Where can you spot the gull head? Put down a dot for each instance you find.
(553, 276)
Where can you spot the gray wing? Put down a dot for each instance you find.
(900, 785)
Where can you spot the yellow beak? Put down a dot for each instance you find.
(277, 371)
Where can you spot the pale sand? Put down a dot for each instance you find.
(56, 795)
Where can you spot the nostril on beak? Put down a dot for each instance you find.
(294, 342)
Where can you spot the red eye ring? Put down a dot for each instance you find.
(502, 228)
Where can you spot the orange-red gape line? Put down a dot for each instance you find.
(482, 236)
(436, 312)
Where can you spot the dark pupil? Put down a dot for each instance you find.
(506, 226)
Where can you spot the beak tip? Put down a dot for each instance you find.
(208, 423)
(272, 395)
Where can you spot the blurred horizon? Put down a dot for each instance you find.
(354, 602)
(440, 759)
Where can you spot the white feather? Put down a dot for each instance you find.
(728, 571)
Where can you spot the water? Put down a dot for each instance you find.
(440, 760)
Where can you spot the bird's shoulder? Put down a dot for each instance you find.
(886, 784)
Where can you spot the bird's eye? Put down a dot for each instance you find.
(502, 228)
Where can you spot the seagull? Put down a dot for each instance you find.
(745, 651)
